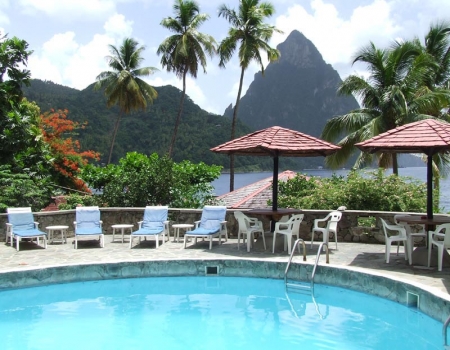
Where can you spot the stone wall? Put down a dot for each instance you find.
(348, 230)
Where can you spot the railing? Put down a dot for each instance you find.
(292, 255)
(444, 333)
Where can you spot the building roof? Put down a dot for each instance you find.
(254, 195)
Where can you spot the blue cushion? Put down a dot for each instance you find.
(88, 231)
(148, 231)
(202, 231)
(28, 233)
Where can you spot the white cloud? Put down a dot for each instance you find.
(70, 9)
(118, 26)
(338, 39)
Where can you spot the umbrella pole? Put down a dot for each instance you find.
(274, 191)
(430, 187)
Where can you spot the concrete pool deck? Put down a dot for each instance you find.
(355, 256)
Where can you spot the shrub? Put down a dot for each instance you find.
(359, 191)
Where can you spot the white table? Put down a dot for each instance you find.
(61, 228)
(177, 229)
(122, 228)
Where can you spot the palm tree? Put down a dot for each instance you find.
(183, 51)
(251, 34)
(123, 84)
(391, 96)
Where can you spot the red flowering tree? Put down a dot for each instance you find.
(58, 131)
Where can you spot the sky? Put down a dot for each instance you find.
(70, 38)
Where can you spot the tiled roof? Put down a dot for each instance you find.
(254, 195)
(428, 136)
(277, 141)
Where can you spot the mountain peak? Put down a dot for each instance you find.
(299, 51)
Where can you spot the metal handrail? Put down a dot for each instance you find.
(292, 255)
(317, 259)
(444, 332)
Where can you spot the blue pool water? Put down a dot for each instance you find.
(207, 313)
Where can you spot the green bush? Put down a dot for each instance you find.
(358, 191)
(139, 180)
(23, 190)
(72, 200)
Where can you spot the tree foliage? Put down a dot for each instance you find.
(123, 85)
(139, 180)
(358, 191)
(185, 50)
(68, 158)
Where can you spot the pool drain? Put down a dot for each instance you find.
(211, 270)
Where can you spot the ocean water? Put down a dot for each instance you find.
(222, 184)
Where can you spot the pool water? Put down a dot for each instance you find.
(207, 313)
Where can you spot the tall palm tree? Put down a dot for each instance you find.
(251, 34)
(123, 84)
(391, 96)
(184, 51)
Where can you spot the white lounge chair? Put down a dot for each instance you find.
(212, 224)
(155, 224)
(88, 224)
(21, 225)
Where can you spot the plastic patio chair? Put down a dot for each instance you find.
(331, 221)
(155, 224)
(400, 237)
(212, 224)
(88, 224)
(441, 239)
(288, 229)
(21, 225)
(247, 228)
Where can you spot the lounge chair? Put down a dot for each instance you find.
(22, 225)
(212, 224)
(155, 224)
(88, 224)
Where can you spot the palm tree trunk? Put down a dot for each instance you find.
(113, 140)
(233, 128)
(177, 121)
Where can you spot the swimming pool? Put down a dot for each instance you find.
(207, 313)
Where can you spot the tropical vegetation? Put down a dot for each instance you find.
(123, 84)
(357, 191)
(408, 81)
(185, 50)
(139, 180)
(249, 35)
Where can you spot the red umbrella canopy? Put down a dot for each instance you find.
(427, 136)
(277, 141)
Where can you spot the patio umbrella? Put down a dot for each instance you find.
(429, 136)
(277, 142)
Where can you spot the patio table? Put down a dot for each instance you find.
(420, 254)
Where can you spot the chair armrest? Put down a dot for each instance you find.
(36, 224)
(396, 228)
(317, 221)
(75, 225)
(197, 223)
(140, 224)
(280, 225)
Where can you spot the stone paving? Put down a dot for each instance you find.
(357, 256)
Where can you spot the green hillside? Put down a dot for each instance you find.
(145, 132)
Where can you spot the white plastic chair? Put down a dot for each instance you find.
(88, 224)
(400, 237)
(412, 236)
(288, 229)
(22, 225)
(331, 220)
(155, 224)
(441, 239)
(247, 228)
